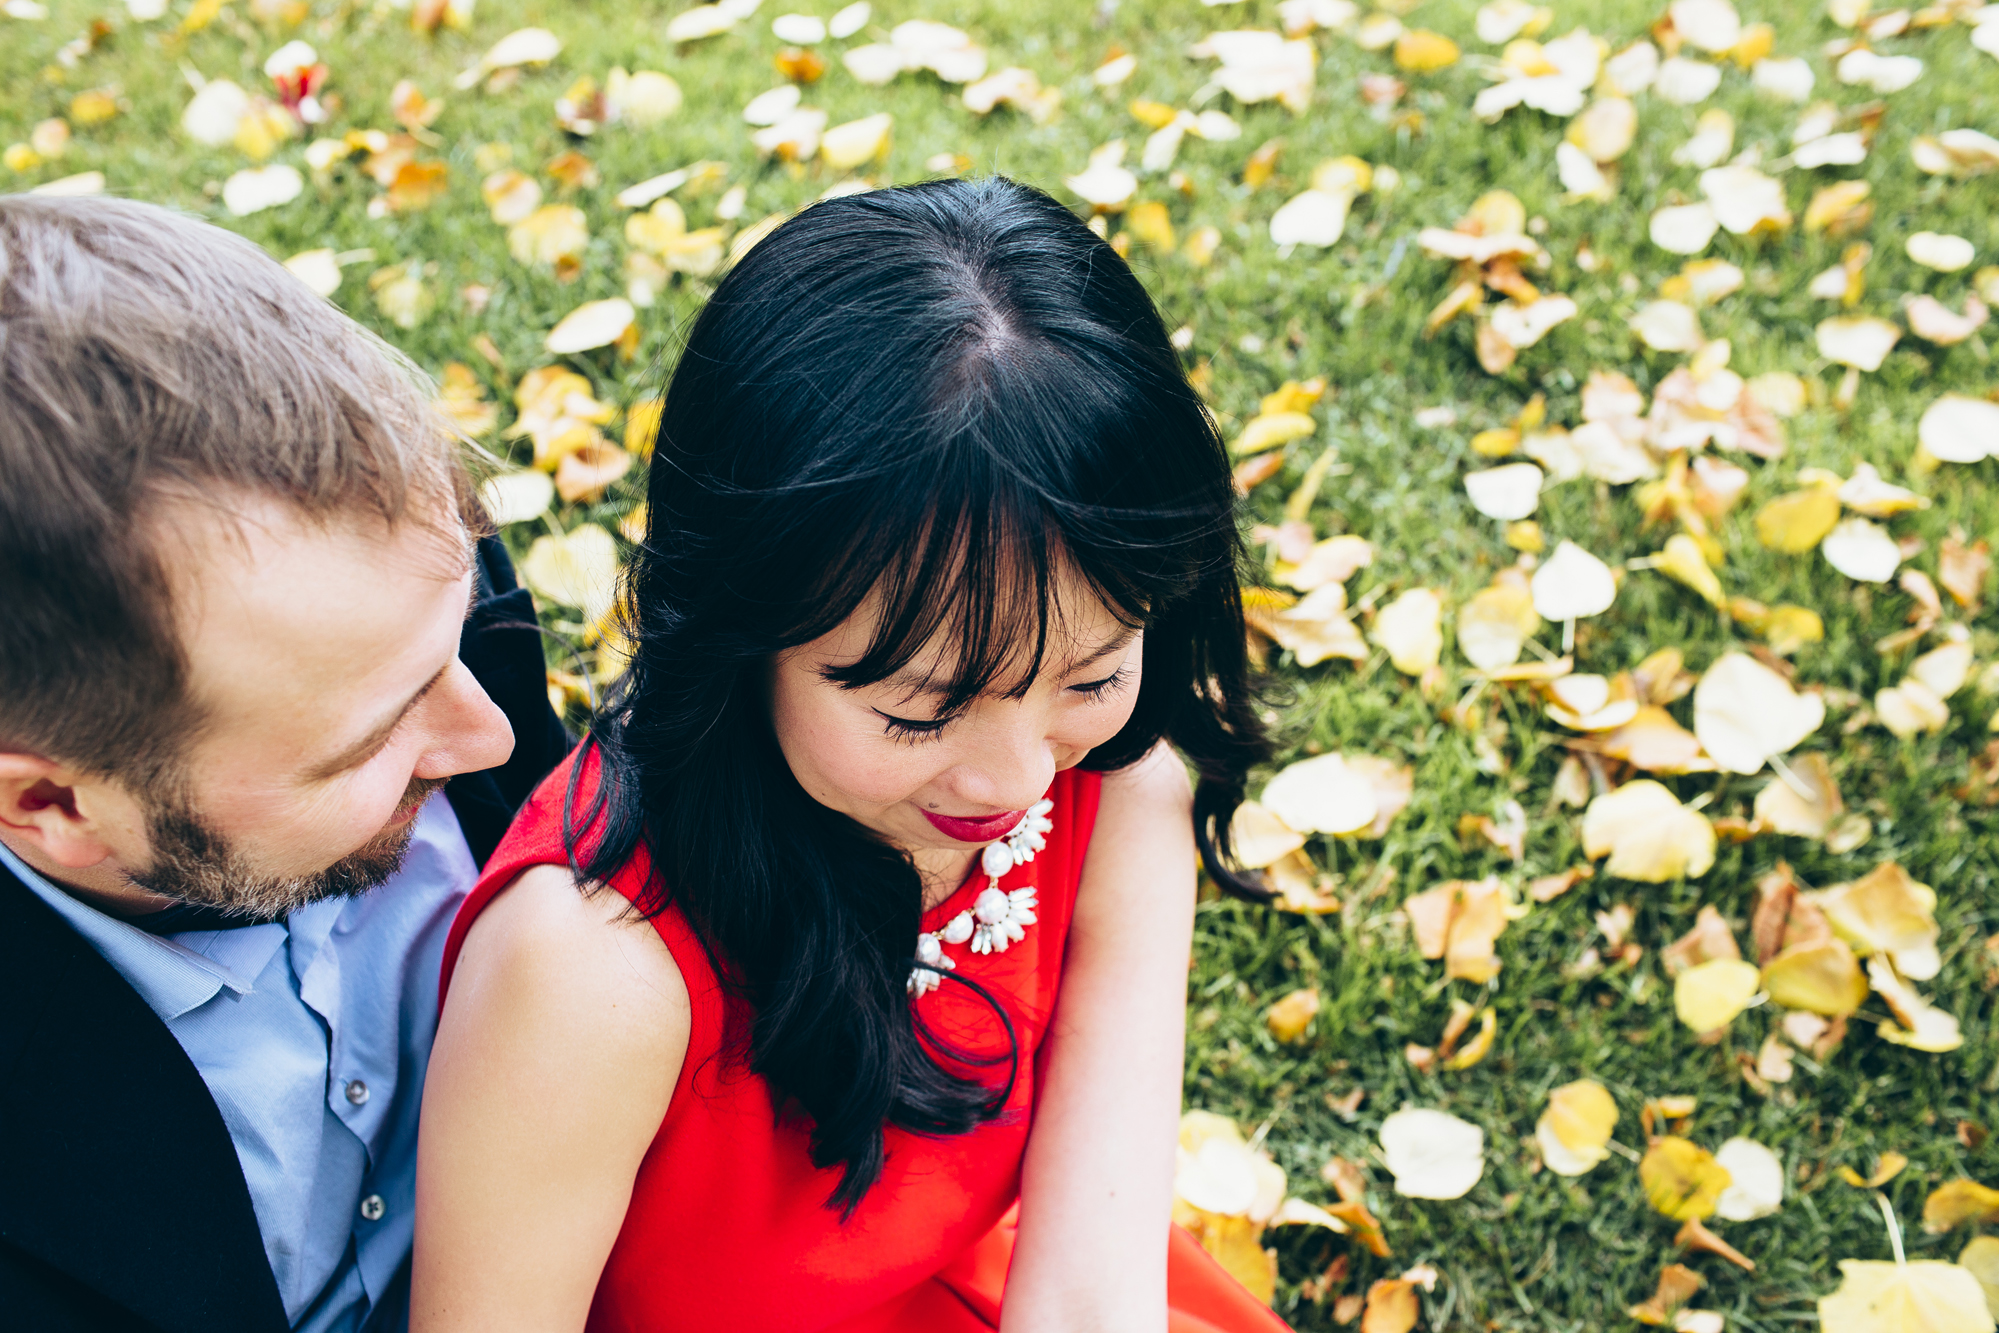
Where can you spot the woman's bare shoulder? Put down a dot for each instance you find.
(548, 958)
(1155, 783)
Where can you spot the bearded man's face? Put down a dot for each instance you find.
(193, 862)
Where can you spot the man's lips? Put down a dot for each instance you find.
(975, 830)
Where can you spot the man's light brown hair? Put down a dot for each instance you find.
(145, 353)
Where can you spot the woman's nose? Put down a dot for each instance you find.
(1010, 768)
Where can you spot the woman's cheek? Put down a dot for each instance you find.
(859, 762)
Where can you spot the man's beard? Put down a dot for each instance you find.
(193, 862)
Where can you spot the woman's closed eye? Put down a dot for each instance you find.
(1103, 689)
(913, 729)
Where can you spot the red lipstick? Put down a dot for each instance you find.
(975, 830)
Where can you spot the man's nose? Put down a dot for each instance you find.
(470, 732)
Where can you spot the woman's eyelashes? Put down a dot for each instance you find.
(909, 729)
(1109, 685)
(912, 730)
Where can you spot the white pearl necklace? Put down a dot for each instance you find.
(996, 919)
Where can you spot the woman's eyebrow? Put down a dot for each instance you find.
(1117, 645)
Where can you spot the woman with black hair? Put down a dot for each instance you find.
(869, 1013)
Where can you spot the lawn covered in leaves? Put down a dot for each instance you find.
(465, 205)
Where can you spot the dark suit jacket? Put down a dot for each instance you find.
(122, 1204)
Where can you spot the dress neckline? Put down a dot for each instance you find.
(974, 881)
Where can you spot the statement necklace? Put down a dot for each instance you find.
(996, 919)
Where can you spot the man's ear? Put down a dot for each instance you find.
(54, 813)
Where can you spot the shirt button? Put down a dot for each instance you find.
(357, 1093)
(372, 1208)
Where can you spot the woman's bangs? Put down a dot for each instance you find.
(973, 603)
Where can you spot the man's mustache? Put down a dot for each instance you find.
(420, 790)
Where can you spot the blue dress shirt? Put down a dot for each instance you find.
(313, 1035)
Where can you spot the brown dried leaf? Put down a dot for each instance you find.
(1708, 940)
(1392, 1307)
(1962, 570)
(1550, 887)
(1458, 921)
(1782, 808)
(1677, 1285)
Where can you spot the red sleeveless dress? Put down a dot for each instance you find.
(728, 1228)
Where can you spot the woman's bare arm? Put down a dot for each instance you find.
(1096, 1192)
(555, 1058)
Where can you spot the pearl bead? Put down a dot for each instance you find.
(997, 859)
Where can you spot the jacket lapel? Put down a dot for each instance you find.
(115, 1166)
(501, 646)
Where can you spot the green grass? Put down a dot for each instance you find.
(1524, 1250)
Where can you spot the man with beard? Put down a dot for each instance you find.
(261, 677)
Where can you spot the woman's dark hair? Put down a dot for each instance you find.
(943, 395)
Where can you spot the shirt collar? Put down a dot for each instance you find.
(170, 977)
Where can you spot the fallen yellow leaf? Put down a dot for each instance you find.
(1260, 838)
(1708, 996)
(1981, 1259)
(1315, 628)
(549, 235)
(1820, 976)
(1922, 1297)
(578, 569)
(1605, 129)
(1656, 743)
(1572, 584)
(1885, 911)
(1421, 51)
(1681, 1178)
(1495, 624)
(1745, 713)
(1682, 561)
(1323, 794)
(1840, 209)
(1479, 1046)
(1411, 629)
(1289, 1017)
(1798, 521)
(1574, 1132)
(847, 146)
(1647, 834)
(584, 474)
(1270, 430)
(1924, 1027)
(1889, 1166)
(1956, 1202)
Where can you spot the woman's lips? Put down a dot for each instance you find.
(975, 830)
